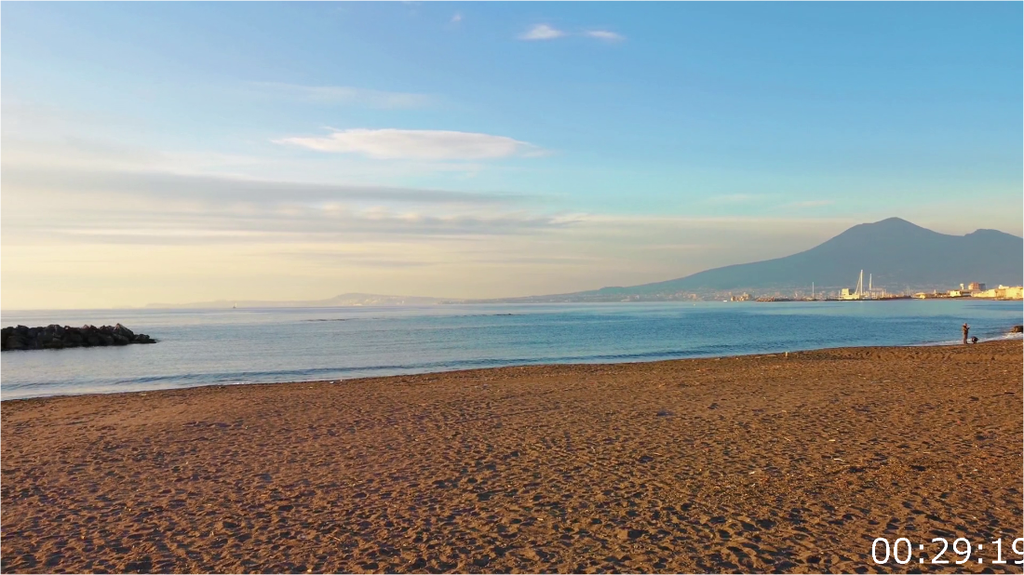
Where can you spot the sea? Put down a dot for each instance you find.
(240, 346)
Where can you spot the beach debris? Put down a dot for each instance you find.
(58, 337)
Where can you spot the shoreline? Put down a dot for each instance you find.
(760, 463)
(338, 380)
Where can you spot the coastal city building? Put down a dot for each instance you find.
(975, 290)
(1001, 292)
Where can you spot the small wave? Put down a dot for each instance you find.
(981, 339)
(942, 343)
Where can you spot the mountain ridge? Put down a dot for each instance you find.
(897, 252)
(903, 256)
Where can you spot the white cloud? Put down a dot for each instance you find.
(605, 35)
(347, 95)
(542, 32)
(456, 18)
(415, 144)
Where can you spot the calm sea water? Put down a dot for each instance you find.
(200, 347)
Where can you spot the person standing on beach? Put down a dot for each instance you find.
(967, 328)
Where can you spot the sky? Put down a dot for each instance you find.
(188, 152)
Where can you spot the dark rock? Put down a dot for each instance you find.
(58, 337)
(1017, 329)
(123, 331)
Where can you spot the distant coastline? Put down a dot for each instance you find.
(369, 300)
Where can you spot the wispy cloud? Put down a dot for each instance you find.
(541, 32)
(605, 35)
(548, 32)
(456, 18)
(211, 225)
(415, 144)
(150, 208)
(163, 185)
(347, 95)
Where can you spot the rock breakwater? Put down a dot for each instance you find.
(58, 337)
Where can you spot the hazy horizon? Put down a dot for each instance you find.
(274, 303)
(180, 153)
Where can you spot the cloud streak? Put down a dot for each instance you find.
(227, 189)
(414, 144)
(219, 223)
(77, 207)
(541, 32)
(604, 35)
(548, 32)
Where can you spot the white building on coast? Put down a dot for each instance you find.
(1001, 292)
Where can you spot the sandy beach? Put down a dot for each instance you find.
(746, 464)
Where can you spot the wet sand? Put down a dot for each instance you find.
(749, 464)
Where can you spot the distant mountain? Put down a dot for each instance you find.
(896, 253)
(348, 299)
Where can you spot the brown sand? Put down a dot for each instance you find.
(761, 463)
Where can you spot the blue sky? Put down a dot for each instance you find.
(493, 149)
